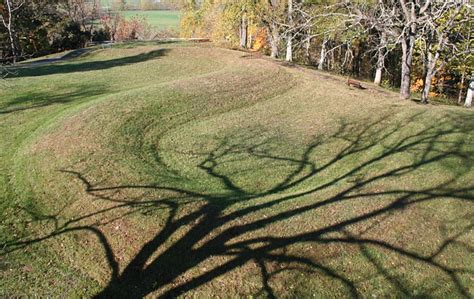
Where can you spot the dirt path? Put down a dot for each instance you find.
(63, 57)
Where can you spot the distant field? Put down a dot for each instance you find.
(161, 19)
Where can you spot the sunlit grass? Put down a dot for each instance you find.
(171, 169)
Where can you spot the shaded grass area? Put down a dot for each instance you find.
(199, 172)
(82, 66)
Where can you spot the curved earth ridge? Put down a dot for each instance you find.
(56, 151)
(199, 171)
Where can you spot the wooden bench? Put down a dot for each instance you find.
(354, 83)
(200, 40)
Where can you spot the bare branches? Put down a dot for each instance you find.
(7, 21)
(436, 34)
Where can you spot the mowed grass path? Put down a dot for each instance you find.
(160, 19)
(180, 170)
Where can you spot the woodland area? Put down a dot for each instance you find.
(40, 27)
(417, 46)
(423, 47)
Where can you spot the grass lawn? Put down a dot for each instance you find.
(183, 170)
(160, 19)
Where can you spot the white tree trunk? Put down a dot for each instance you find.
(470, 90)
(8, 26)
(378, 76)
(322, 57)
(289, 48)
(427, 88)
(307, 53)
(380, 59)
(289, 35)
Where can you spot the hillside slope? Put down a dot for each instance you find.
(181, 170)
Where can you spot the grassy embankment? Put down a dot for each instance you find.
(167, 170)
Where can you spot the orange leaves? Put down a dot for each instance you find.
(260, 39)
(121, 29)
(417, 85)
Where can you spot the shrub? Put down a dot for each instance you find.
(70, 36)
(121, 29)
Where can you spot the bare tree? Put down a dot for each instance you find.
(436, 39)
(409, 17)
(399, 20)
(381, 53)
(322, 55)
(404, 22)
(83, 12)
(310, 20)
(299, 25)
(271, 20)
(11, 6)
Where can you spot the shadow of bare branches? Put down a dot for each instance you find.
(225, 223)
(35, 100)
(50, 69)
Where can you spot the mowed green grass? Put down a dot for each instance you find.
(176, 170)
(159, 19)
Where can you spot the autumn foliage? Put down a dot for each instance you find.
(121, 29)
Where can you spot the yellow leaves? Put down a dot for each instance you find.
(417, 85)
(260, 39)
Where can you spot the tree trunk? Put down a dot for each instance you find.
(463, 79)
(8, 26)
(289, 35)
(470, 90)
(380, 59)
(274, 40)
(243, 32)
(408, 46)
(289, 47)
(307, 53)
(378, 76)
(12, 45)
(427, 87)
(273, 30)
(430, 67)
(428, 74)
(322, 57)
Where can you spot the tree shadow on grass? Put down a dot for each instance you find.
(225, 223)
(38, 99)
(78, 66)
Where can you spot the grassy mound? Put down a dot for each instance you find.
(182, 170)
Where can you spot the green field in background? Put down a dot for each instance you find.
(161, 19)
